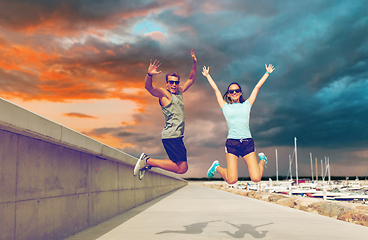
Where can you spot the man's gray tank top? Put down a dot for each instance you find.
(174, 117)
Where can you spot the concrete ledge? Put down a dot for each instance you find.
(19, 120)
(56, 182)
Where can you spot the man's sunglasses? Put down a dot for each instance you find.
(235, 90)
(172, 82)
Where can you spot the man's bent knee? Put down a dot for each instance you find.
(183, 168)
(182, 171)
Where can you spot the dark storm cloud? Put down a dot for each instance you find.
(18, 82)
(322, 99)
(301, 97)
(69, 14)
(112, 58)
(336, 123)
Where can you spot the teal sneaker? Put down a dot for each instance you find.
(262, 157)
(212, 170)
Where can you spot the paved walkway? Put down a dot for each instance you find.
(197, 212)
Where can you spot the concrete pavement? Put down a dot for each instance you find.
(197, 212)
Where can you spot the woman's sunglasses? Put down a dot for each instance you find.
(172, 82)
(235, 90)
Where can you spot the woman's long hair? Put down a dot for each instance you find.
(228, 99)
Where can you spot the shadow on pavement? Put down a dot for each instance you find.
(243, 229)
(247, 228)
(195, 228)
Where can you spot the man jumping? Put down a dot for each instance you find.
(171, 101)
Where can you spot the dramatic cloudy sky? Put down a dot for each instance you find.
(82, 63)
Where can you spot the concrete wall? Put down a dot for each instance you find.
(56, 182)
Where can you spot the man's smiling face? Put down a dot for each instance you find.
(173, 84)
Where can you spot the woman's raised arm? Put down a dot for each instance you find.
(206, 73)
(253, 95)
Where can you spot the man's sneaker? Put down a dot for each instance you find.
(262, 157)
(141, 163)
(143, 171)
(212, 170)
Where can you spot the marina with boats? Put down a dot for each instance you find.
(353, 190)
(338, 190)
(334, 190)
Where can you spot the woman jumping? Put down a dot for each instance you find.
(239, 139)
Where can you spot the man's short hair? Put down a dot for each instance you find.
(174, 74)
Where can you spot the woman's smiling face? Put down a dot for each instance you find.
(234, 92)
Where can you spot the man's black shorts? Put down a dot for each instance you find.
(175, 149)
(239, 147)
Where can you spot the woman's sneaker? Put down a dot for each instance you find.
(262, 157)
(212, 170)
(141, 163)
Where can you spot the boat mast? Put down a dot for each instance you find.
(277, 168)
(316, 170)
(291, 174)
(326, 167)
(311, 165)
(296, 162)
(323, 179)
(329, 173)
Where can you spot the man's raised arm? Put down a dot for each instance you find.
(192, 74)
(152, 70)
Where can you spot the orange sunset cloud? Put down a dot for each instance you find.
(79, 115)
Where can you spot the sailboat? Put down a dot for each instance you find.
(365, 186)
